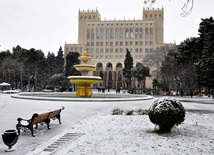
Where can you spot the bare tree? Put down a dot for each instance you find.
(186, 8)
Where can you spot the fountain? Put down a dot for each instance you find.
(84, 82)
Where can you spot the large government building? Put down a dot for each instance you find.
(106, 42)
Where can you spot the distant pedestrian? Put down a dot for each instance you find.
(191, 93)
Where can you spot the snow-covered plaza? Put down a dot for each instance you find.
(100, 132)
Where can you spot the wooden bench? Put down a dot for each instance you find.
(39, 118)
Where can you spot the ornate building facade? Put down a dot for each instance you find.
(106, 42)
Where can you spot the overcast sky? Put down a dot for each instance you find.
(47, 24)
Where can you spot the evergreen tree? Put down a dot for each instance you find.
(71, 60)
(127, 70)
(205, 65)
(60, 61)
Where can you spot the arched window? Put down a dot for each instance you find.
(117, 33)
(109, 65)
(112, 33)
(150, 15)
(85, 17)
(136, 33)
(155, 15)
(160, 16)
(89, 17)
(92, 33)
(102, 33)
(127, 33)
(98, 33)
(119, 75)
(141, 32)
(146, 15)
(93, 17)
(88, 34)
(121, 33)
(107, 33)
(131, 33)
(109, 75)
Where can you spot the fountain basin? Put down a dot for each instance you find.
(85, 67)
(85, 80)
(84, 84)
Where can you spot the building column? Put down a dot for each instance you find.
(104, 78)
(114, 78)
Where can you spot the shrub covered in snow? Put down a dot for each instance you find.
(166, 113)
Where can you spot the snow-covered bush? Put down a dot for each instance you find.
(166, 113)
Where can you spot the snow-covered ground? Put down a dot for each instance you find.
(108, 134)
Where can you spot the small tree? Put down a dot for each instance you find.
(140, 72)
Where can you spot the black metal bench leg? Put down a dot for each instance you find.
(30, 126)
(59, 118)
(48, 122)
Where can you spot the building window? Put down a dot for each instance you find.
(136, 50)
(112, 33)
(92, 50)
(102, 33)
(81, 17)
(150, 15)
(85, 17)
(160, 16)
(127, 43)
(93, 17)
(155, 15)
(147, 32)
(109, 75)
(121, 50)
(147, 50)
(117, 33)
(141, 32)
(119, 75)
(151, 50)
(121, 43)
(107, 33)
(117, 43)
(92, 43)
(89, 17)
(131, 43)
(136, 33)
(131, 33)
(151, 33)
(141, 50)
(141, 43)
(88, 44)
(136, 43)
(127, 33)
(146, 43)
(106, 56)
(121, 33)
(116, 50)
(107, 50)
(98, 43)
(101, 50)
(98, 33)
(111, 50)
(151, 43)
(92, 34)
(101, 43)
(97, 50)
(146, 15)
(107, 43)
(88, 34)
(111, 44)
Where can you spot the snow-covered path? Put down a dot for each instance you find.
(11, 109)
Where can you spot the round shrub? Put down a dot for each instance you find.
(166, 113)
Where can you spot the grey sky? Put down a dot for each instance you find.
(47, 24)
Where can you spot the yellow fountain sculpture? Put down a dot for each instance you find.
(84, 82)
